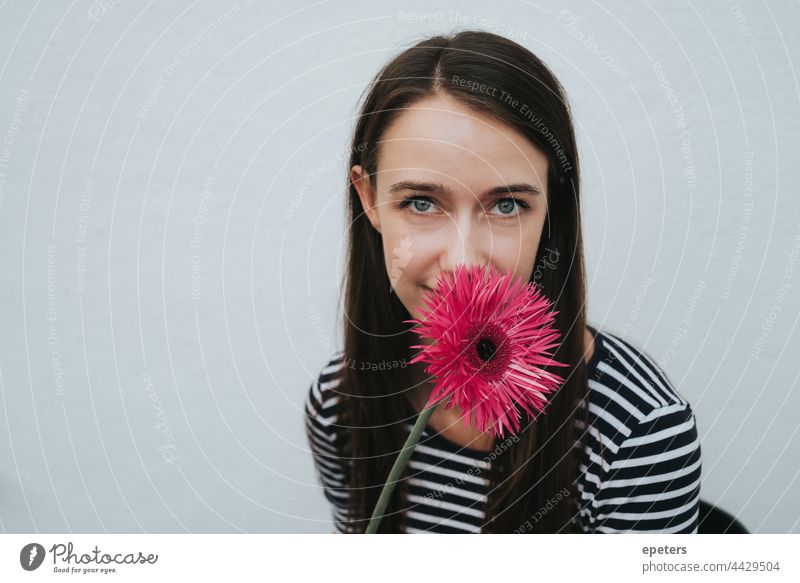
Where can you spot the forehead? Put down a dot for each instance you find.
(441, 139)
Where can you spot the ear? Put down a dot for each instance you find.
(361, 182)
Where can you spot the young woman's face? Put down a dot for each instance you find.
(453, 186)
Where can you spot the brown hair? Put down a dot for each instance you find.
(543, 462)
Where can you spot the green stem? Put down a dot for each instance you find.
(397, 469)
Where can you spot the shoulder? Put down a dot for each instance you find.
(322, 396)
(650, 480)
(629, 394)
(631, 373)
(324, 439)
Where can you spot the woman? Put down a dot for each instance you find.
(464, 152)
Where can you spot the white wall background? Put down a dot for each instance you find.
(146, 145)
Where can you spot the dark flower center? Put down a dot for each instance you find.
(486, 349)
(490, 349)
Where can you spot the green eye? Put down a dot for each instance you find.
(417, 204)
(421, 205)
(506, 205)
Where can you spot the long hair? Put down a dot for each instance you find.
(543, 462)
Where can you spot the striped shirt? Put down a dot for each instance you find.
(639, 468)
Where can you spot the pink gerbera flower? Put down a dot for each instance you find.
(491, 335)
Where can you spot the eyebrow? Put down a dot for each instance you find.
(437, 188)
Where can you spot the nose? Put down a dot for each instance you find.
(464, 243)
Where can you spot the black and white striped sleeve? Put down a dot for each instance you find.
(323, 442)
(653, 481)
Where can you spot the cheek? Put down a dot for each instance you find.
(406, 256)
(406, 250)
(516, 253)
